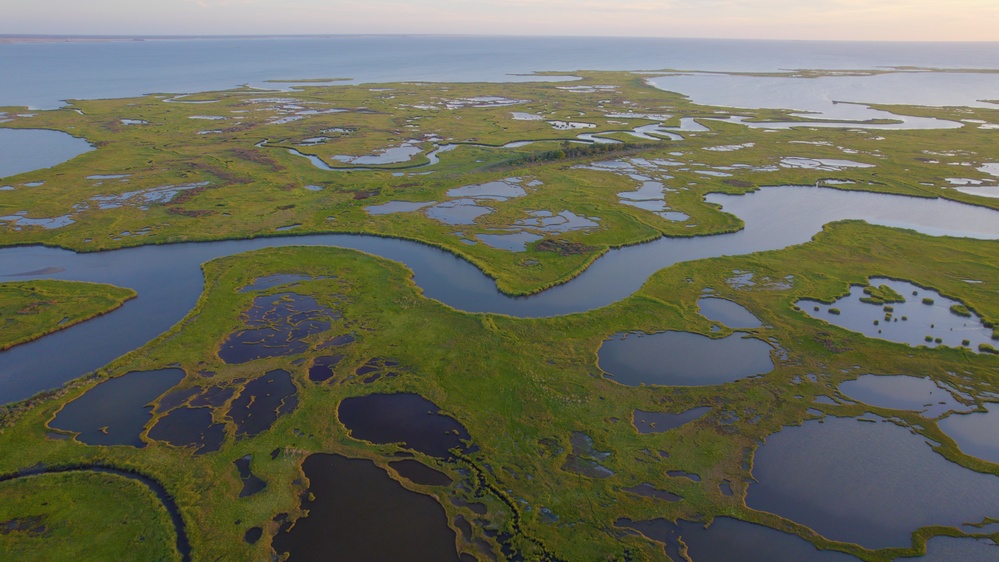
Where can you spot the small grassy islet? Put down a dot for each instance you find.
(32, 309)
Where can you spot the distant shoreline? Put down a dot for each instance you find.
(14, 38)
(10, 39)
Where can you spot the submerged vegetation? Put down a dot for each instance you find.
(546, 456)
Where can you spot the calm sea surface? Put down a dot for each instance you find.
(41, 75)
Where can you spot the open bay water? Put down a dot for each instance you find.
(42, 75)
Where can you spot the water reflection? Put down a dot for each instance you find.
(923, 317)
(950, 549)
(976, 434)
(869, 483)
(683, 358)
(727, 312)
(727, 539)
(902, 392)
(115, 411)
(26, 150)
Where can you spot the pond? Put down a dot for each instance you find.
(27, 150)
(872, 483)
(659, 422)
(924, 318)
(262, 401)
(190, 427)
(727, 539)
(682, 358)
(322, 367)
(513, 242)
(115, 411)
(977, 433)
(649, 491)
(251, 483)
(405, 418)
(351, 501)
(727, 312)
(901, 392)
(397, 207)
(390, 155)
(277, 325)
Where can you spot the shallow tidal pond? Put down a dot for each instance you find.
(26, 150)
(682, 358)
(727, 539)
(729, 313)
(901, 392)
(869, 482)
(977, 433)
(115, 411)
(350, 502)
(925, 317)
(404, 418)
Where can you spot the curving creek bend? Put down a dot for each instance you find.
(168, 278)
(183, 544)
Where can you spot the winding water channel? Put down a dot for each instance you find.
(168, 278)
(183, 544)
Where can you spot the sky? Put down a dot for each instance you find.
(891, 20)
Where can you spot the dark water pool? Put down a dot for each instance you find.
(115, 411)
(262, 401)
(251, 483)
(322, 367)
(357, 512)
(190, 427)
(728, 539)
(649, 491)
(405, 418)
(277, 326)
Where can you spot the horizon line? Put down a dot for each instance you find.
(82, 37)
